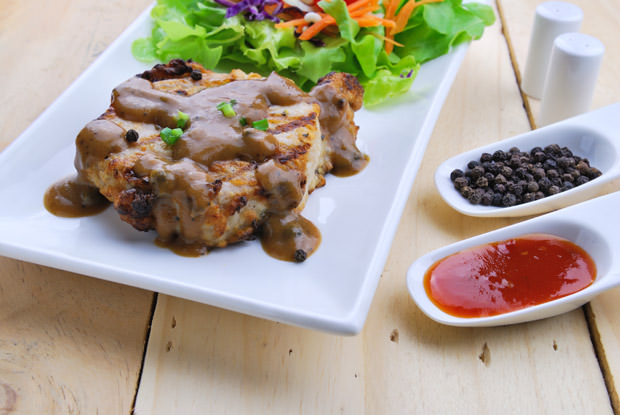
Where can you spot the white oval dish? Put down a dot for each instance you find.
(593, 225)
(594, 135)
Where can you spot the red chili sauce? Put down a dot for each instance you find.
(509, 275)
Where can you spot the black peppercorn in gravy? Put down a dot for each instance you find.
(209, 159)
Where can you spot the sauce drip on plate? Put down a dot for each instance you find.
(509, 275)
(72, 198)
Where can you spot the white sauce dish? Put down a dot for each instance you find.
(594, 135)
(592, 225)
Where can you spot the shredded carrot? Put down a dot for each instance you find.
(368, 21)
(385, 39)
(316, 28)
(387, 23)
(291, 23)
(357, 4)
(362, 11)
(401, 18)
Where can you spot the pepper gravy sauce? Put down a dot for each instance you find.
(209, 137)
(73, 198)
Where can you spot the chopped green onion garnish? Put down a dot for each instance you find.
(226, 109)
(233, 101)
(170, 136)
(182, 119)
(261, 124)
(243, 121)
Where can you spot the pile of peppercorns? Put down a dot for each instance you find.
(511, 178)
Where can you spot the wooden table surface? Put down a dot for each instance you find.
(72, 344)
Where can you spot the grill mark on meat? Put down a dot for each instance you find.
(294, 153)
(293, 125)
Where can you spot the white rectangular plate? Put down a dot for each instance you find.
(357, 216)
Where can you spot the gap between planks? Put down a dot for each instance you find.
(589, 316)
(601, 357)
(147, 336)
(515, 64)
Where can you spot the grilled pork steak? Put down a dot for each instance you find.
(228, 172)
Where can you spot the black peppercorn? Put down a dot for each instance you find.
(466, 192)
(456, 173)
(549, 164)
(482, 182)
(509, 200)
(574, 172)
(517, 189)
(544, 184)
(520, 172)
(197, 76)
(499, 155)
(567, 186)
(552, 173)
(566, 177)
(300, 255)
(486, 157)
(539, 156)
(593, 173)
(553, 149)
(497, 199)
(476, 172)
(492, 167)
(474, 198)
(460, 182)
(581, 180)
(528, 197)
(487, 199)
(515, 161)
(583, 167)
(506, 171)
(566, 162)
(131, 136)
(554, 190)
(539, 173)
(500, 179)
(532, 187)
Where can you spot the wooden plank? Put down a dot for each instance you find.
(45, 45)
(601, 20)
(68, 344)
(207, 360)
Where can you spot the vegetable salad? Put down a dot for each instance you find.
(381, 42)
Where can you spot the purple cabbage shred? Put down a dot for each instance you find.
(253, 9)
(402, 75)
